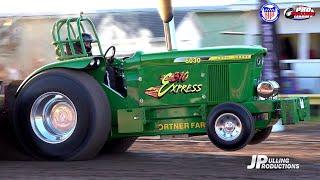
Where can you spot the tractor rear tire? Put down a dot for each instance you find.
(74, 112)
(230, 126)
(261, 135)
(120, 145)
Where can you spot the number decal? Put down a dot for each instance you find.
(191, 60)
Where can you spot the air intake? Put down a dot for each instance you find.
(218, 83)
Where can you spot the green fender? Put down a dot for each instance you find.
(79, 63)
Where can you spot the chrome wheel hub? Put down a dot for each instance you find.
(228, 126)
(53, 117)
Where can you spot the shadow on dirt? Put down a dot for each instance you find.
(134, 165)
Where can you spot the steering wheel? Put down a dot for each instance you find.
(112, 50)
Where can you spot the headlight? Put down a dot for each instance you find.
(268, 89)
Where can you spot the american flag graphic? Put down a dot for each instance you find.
(269, 13)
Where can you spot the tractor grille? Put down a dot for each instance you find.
(218, 83)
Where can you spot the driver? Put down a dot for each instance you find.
(87, 40)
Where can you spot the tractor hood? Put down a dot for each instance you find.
(215, 54)
(212, 51)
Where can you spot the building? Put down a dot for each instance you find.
(237, 24)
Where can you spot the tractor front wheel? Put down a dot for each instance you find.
(230, 126)
(62, 114)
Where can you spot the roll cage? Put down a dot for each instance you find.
(67, 32)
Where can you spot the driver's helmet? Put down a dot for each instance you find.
(87, 40)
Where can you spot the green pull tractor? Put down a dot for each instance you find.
(89, 101)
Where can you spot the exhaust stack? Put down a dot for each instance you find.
(165, 11)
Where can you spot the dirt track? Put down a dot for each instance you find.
(191, 158)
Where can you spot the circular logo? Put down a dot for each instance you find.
(299, 12)
(269, 12)
(288, 13)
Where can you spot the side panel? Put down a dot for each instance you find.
(241, 82)
(133, 82)
(161, 121)
(173, 85)
(131, 120)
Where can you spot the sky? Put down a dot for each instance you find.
(43, 7)
(33, 7)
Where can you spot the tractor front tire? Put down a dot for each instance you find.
(62, 114)
(120, 145)
(230, 126)
(261, 135)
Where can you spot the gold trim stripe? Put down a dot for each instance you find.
(230, 57)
